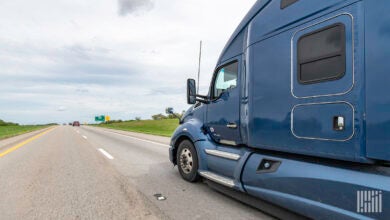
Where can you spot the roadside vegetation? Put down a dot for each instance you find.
(161, 127)
(9, 129)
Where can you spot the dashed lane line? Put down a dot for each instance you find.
(106, 154)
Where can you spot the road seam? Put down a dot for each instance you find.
(106, 154)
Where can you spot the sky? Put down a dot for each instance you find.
(68, 60)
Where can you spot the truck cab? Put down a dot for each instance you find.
(297, 113)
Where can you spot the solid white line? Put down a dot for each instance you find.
(165, 145)
(106, 154)
(85, 137)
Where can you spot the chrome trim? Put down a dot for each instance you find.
(227, 142)
(353, 59)
(217, 178)
(323, 139)
(226, 155)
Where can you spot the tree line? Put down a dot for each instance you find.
(159, 116)
(3, 123)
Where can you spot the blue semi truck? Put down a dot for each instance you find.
(297, 118)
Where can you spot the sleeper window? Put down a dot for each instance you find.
(321, 55)
(226, 79)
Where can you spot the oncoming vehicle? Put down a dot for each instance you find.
(297, 118)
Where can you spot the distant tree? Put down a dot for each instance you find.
(138, 118)
(51, 124)
(172, 114)
(159, 117)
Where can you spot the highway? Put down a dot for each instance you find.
(85, 172)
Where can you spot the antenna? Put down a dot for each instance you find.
(200, 58)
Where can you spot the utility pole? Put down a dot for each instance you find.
(200, 58)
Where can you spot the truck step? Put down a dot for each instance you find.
(223, 154)
(217, 178)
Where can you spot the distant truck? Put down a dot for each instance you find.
(297, 118)
(76, 123)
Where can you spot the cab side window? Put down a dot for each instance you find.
(225, 79)
(322, 55)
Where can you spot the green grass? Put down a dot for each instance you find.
(163, 127)
(14, 130)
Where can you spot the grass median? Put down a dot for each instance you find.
(164, 127)
(14, 130)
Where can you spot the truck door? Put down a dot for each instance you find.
(223, 114)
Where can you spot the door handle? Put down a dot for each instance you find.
(338, 123)
(232, 125)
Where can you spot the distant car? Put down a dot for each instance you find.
(76, 123)
(70, 123)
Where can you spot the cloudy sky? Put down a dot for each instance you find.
(68, 60)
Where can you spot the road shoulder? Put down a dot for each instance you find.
(148, 137)
(9, 142)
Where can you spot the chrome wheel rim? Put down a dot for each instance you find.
(186, 161)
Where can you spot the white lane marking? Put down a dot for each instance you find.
(138, 138)
(85, 137)
(106, 154)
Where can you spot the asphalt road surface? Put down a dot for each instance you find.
(91, 173)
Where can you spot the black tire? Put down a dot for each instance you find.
(187, 161)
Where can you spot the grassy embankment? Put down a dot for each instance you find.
(14, 130)
(164, 127)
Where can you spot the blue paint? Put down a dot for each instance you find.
(377, 68)
(321, 168)
(306, 124)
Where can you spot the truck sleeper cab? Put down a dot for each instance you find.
(297, 114)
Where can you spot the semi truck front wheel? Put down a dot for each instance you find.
(187, 161)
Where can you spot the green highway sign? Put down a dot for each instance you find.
(100, 118)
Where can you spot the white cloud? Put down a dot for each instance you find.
(61, 109)
(131, 6)
(83, 55)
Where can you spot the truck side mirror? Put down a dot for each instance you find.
(191, 91)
